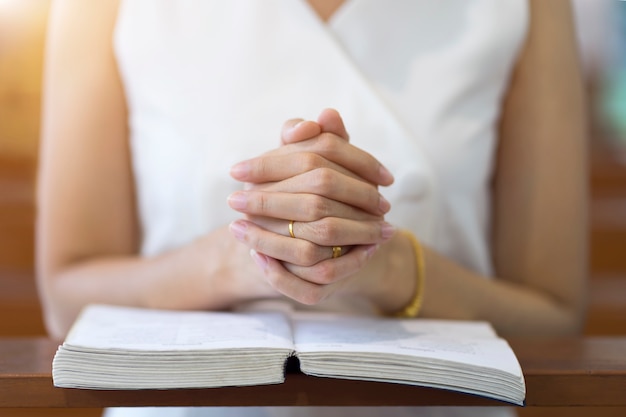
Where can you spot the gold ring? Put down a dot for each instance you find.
(291, 229)
(336, 251)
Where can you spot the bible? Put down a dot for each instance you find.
(129, 348)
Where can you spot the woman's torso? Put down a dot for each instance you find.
(419, 84)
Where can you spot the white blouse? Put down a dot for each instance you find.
(419, 84)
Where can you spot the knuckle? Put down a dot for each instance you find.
(317, 207)
(310, 161)
(323, 180)
(328, 231)
(325, 272)
(309, 254)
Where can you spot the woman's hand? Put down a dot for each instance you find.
(309, 145)
(294, 191)
(318, 193)
(329, 189)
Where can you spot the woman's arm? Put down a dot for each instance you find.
(87, 229)
(539, 197)
(540, 224)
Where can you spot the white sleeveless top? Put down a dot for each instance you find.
(419, 84)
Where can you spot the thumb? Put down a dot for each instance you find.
(297, 130)
(331, 122)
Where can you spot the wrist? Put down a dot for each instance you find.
(211, 272)
(229, 275)
(390, 281)
(413, 307)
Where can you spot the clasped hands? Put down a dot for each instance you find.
(309, 200)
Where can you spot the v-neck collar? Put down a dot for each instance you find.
(337, 15)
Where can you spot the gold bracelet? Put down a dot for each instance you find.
(413, 308)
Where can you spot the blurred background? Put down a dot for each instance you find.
(602, 32)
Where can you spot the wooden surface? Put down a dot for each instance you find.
(565, 372)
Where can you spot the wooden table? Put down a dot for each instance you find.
(564, 372)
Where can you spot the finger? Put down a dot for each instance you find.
(330, 147)
(334, 270)
(286, 283)
(275, 167)
(333, 185)
(295, 206)
(296, 130)
(331, 122)
(296, 251)
(330, 231)
(298, 206)
(274, 199)
(341, 152)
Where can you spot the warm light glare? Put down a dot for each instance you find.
(4, 4)
(11, 8)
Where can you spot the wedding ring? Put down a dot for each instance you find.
(336, 251)
(291, 230)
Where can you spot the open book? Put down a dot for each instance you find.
(130, 348)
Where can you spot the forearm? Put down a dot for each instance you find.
(454, 292)
(196, 276)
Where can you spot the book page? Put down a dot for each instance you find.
(472, 343)
(127, 328)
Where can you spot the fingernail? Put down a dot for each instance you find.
(240, 170)
(239, 229)
(260, 260)
(387, 231)
(383, 204)
(238, 200)
(371, 250)
(385, 175)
